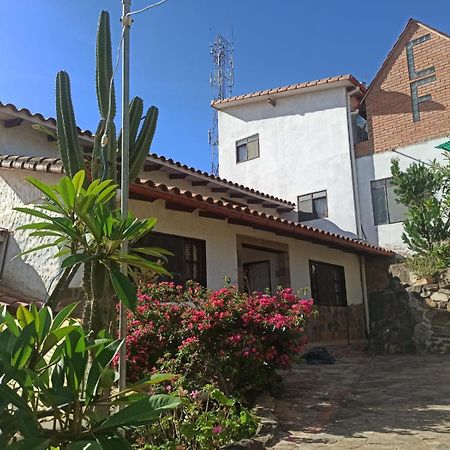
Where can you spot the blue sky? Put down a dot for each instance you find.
(276, 42)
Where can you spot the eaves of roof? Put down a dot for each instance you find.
(38, 117)
(324, 82)
(209, 207)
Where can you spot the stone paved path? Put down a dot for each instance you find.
(362, 402)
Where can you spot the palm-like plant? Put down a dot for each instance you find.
(87, 230)
(55, 388)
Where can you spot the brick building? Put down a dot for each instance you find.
(333, 140)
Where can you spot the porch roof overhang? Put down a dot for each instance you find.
(183, 200)
(187, 201)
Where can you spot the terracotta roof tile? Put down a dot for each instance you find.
(300, 229)
(54, 165)
(218, 179)
(292, 87)
(40, 117)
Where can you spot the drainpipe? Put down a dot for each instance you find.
(357, 205)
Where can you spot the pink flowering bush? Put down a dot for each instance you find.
(226, 337)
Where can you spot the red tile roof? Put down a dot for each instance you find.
(38, 116)
(218, 179)
(242, 215)
(247, 216)
(292, 87)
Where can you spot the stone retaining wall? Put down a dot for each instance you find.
(410, 315)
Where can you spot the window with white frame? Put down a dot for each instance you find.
(386, 207)
(312, 206)
(247, 148)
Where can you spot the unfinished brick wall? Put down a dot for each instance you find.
(389, 100)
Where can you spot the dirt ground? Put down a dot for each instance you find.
(364, 402)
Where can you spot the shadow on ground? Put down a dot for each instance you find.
(396, 401)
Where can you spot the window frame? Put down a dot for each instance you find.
(311, 195)
(386, 199)
(314, 282)
(184, 240)
(245, 141)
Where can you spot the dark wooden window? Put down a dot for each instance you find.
(247, 148)
(327, 284)
(189, 256)
(386, 208)
(312, 206)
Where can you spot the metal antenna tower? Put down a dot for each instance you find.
(222, 81)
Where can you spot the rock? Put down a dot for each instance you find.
(448, 307)
(431, 303)
(421, 332)
(439, 297)
(432, 287)
(414, 289)
(445, 291)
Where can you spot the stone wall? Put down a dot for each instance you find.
(410, 315)
(336, 324)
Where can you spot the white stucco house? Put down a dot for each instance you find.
(216, 228)
(327, 145)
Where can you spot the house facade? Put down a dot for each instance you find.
(327, 145)
(216, 229)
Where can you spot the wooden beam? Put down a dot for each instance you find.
(210, 215)
(10, 123)
(200, 183)
(178, 176)
(254, 201)
(179, 207)
(220, 189)
(152, 168)
(237, 195)
(269, 205)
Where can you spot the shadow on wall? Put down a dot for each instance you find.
(399, 103)
(298, 105)
(331, 227)
(21, 277)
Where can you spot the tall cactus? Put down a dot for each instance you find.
(66, 128)
(106, 151)
(105, 155)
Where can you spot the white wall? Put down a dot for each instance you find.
(304, 148)
(31, 274)
(24, 140)
(378, 166)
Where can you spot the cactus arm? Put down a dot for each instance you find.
(136, 109)
(96, 168)
(104, 69)
(68, 145)
(139, 151)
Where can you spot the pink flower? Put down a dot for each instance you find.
(194, 394)
(217, 429)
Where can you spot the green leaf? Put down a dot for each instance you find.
(124, 288)
(33, 212)
(67, 191)
(32, 443)
(141, 412)
(85, 445)
(35, 249)
(78, 180)
(77, 258)
(46, 190)
(63, 315)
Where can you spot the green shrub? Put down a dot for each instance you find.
(205, 420)
(56, 386)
